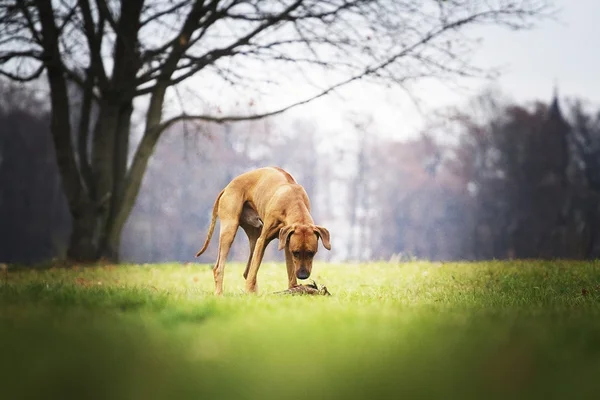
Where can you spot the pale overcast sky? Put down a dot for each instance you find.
(563, 51)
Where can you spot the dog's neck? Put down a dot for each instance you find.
(298, 213)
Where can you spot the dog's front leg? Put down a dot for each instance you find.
(257, 256)
(289, 263)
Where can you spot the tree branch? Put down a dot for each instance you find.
(83, 133)
(7, 56)
(59, 125)
(167, 11)
(94, 39)
(29, 21)
(210, 57)
(27, 78)
(183, 40)
(366, 72)
(106, 14)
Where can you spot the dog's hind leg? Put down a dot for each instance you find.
(229, 213)
(226, 237)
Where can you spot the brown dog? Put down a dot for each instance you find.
(267, 203)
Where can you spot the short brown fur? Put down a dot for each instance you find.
(266, 203)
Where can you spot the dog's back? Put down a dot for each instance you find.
(289, 176)
(260, 185)
(254, 178)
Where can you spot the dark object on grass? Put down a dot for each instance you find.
(310, 289)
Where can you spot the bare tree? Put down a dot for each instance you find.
(119, 50)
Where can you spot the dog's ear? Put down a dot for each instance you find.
(284, 235)
(324, 235)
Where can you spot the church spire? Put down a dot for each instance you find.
(554, 111)
(555, 131)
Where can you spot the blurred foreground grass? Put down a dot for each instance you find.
(427, 330)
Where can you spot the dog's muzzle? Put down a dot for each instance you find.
(302, 274)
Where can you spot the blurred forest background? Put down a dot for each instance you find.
(492, 180)
(103, 154)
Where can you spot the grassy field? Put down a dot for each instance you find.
(426, 330)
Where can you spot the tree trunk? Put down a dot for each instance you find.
(100, 207)
(82, 246)
(111, 246)
(96, 234)
(135, 174)
(112, 139)
(111, 230)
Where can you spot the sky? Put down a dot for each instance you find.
(558, 51)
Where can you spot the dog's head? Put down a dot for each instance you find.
(302, 242)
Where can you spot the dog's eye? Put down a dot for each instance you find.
(310, 254)
(296, 253)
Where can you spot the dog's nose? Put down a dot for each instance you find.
(302, 274)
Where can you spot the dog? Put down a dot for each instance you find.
(267, 203)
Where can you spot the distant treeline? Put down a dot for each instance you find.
(492, 180)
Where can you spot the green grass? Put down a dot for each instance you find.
(427, 330)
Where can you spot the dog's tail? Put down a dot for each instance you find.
(213, 222)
